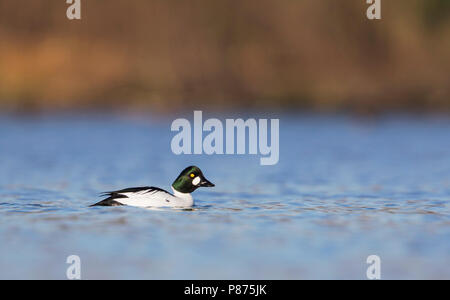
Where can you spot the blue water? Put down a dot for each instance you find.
(344, 189)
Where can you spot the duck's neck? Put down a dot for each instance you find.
(184, 196)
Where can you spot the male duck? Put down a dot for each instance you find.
(188, 181)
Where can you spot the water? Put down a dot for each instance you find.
(343, 189)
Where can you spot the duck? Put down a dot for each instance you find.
(187, 182)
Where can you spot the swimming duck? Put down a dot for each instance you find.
(188, 181)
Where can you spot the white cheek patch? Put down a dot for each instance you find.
(196, 180)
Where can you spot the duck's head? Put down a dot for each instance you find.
(190, 179)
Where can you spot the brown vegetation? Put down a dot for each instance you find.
(168, 55)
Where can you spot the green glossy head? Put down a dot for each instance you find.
(190, 179)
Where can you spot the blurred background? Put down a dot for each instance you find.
(173, 55)
(86, 106)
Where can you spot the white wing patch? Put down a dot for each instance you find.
(138, 193)
(154, 199)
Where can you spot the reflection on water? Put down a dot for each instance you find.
(343, 190)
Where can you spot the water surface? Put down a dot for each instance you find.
(343, 189)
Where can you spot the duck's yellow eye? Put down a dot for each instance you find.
(192, 175)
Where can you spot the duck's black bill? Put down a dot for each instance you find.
(206, 183)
